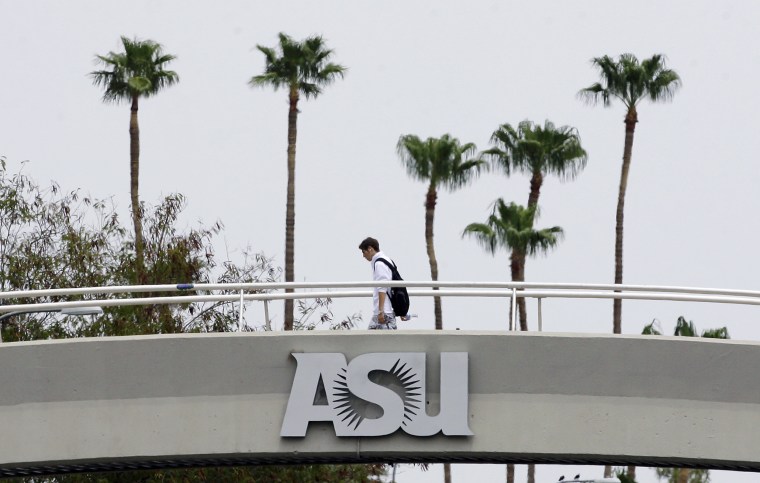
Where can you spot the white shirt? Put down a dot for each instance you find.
(381, 271)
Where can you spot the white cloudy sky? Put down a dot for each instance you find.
(424, 68)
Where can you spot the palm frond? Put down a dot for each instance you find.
(630, 81)
(720, 333)
(140, 70)
(484, 235)
(300, 65)
(685, 328)
(534, 148)
(443, 161)
(653, 328)
(541, 241)
(594, 94)
(499, 156)
(510, 226)
(414, 156)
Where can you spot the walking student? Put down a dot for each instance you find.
(383, 317)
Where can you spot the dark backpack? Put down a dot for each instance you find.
(398, 295)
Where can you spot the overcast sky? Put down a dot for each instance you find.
(424, 68)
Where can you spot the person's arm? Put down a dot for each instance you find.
(382, 273)
(381, 303)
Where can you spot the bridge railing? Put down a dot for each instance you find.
(110, 296)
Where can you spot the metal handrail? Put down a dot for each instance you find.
(363, 284)
(237, 292)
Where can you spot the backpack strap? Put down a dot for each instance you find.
(392, 267)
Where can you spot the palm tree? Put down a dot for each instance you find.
(685, 328)
(442, 162)
(537, 150)
(138, 71)
(303, 69)
(510, 227)
(628, 81)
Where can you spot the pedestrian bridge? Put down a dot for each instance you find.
(495, 397)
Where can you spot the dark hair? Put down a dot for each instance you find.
(369, 242)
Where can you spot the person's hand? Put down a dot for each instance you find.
(381, 317)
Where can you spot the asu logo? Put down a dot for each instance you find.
(376, 394)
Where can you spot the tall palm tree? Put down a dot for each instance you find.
(138, 71)
(538, 150)
(510, 227)
(628, 81)
(443, 163)
(685, 328)
(302, 68)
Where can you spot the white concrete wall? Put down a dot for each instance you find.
(195, 399)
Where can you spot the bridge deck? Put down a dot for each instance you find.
(215, 399)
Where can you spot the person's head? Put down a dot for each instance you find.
(369, 246)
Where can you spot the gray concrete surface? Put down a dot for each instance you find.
(207, 399)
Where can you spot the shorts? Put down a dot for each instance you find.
(390, 323)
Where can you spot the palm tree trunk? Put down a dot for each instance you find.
(430, 201)
(518, 275)
(290, 205)
(535, 188)
(516, 266)
(134, 187)
(631, 473)
(536, 180)
(631, 119)
(510, 473)
(683, 475)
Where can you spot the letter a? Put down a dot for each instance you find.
(301, 408)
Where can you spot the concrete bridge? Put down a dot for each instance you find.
(221, 399)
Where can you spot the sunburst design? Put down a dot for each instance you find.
(405, 382)
(411, 384)
(344, 400)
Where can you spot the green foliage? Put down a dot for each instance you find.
(623, 477)
(138, 71)
(686, 328)
(240, 474)
(630, 81)
(719, 333)
(298, 66)
(671, 475)
(442, 161)
(533, 148)
(51, 239)
(47, 240)
(511, 227)
(317, 313)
